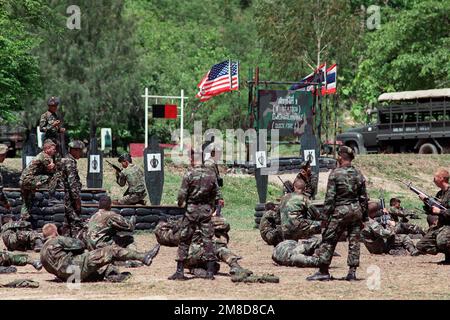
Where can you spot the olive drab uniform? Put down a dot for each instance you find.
(296, 220)
(293, 253)
(346, 202)
(13, 259)
(437, 238)
(34, 176)
(379, 239)
(104, 228)
(18, 235)
(403, 227)
(65, 257)
(310, 184)
(72, 190)
(270, 227)
(198, 191)
(134, 176)
(46, 126)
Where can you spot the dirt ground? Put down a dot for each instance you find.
(401, 277)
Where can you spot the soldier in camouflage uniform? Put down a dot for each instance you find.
(198, 194)
(299, 254)
(168, 234)
(66, 257)
(295, 213)
(400, 218)
(270, 225)
(309, 178)
(3, 199)
(106, 227)
(134, 176)
(39, 173)
(72, 188)
(345, 205)
(437, 238)
(18, 235)
(8, 259)
(50, 124)
(380, 239)
(211, 162)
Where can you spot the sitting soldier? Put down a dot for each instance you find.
(296, 215)
(270, 225)
(66, 257)
(134, 176)
(9, 259)
(399, 215)
(168, 234)
(309, 178)
(18, 235)
(299, 254)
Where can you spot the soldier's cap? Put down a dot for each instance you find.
(305, 165)
(76, 144)
(3, 148)
(346, 150)
(53, 101)
(48, 142)
(124, 157)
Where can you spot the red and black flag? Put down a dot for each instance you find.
(167, 111)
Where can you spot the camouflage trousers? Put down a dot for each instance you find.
(10, 259)
(71, 216)
(196, 257)
(436, 240)
(28, 187)
(86, 266)
(299, 228)
(197, 217)
(345, 218)
(297, 254)
(132, 198)
(408, 228)
(398, 241)
(20, 240)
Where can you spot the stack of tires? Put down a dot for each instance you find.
(259, 212)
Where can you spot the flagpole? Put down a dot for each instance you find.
(230, 77)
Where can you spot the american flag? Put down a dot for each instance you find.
(221, 78)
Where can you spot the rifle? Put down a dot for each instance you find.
(385, 217)
(118, 170)
(429, 201)
(286, 186)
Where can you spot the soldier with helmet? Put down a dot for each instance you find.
(134, 177)
(345, 205)
(72, 187)
(51, 125)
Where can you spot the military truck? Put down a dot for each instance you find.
(409, 121)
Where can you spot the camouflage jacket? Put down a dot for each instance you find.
(57, 255)
(37, 167)
(293, 206)
(134, 176)
(3, 198)
(346, 186)
(270, 227)
(16, 225)
(199, 186)
(374, 230)
(103, 225)
(310, 184)
(72, 182)
(210, 163)
(444, 198)
(46, 125)
(396, 213)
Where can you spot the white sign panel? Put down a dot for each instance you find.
(261, 159)
(40, 137)
(310, 154)
(94, 163)
(28, 160)
(154, 162)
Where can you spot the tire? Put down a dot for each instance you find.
(354, 146)
(260, 207)
(259, 214)
(428, 148)
(257, 220)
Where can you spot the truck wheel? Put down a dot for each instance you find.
(355, 148)
(428, 148)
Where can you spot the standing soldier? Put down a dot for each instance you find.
(40, 172)
(211, 162)
(134, 176)
(50, 124)
(198, 194)
(345, 205)
(72, 187)
(3, 200)
(437, 238)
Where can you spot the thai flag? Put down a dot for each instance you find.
(319, 75)
(331, 80)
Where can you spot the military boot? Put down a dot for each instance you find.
(148, 259)
(234, 265)
(322, 275)
(179, 274)
(210, 270)
(10, 269)
(38, 245)
(446, 261)
(351, 275)
(37, 264)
